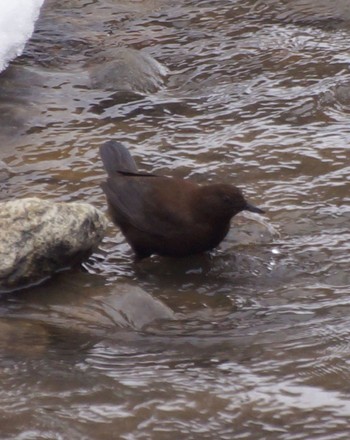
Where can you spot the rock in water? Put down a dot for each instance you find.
(131, 306)
(127, 306)
(39, 237)
(127, 70)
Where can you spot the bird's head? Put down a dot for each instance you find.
(225, 201)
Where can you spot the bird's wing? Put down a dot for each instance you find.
(135, 200)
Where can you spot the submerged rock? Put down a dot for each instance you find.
(127, 306)
(39, 237)
(131, 306)
(127, 70)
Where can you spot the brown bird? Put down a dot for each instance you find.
(166, 215)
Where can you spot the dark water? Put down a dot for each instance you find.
(254, 339)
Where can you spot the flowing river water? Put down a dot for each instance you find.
(249, 342)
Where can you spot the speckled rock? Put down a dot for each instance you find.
(39, 237)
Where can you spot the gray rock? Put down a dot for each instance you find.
(127, 70)
(127, 306)
(131, 306)
(39, 237)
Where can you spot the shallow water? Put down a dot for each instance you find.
(253, 339)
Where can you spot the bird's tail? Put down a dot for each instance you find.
(116, 158)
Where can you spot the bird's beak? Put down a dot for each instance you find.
(252, 208)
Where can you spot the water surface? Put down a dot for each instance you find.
(253, 339)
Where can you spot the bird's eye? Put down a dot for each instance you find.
(226, 198)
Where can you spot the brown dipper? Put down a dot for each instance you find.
(166, 215)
